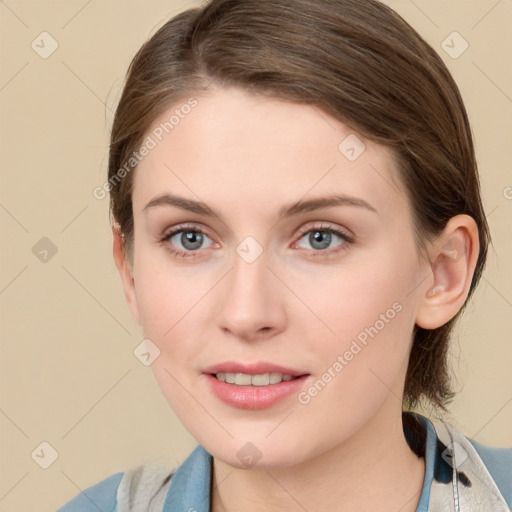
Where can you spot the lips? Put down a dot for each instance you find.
(257, 368)
(255, 397)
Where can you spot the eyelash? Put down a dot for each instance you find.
(346, 240)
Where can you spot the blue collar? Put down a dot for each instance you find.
(189, 489)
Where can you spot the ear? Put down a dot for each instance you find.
(125, 272)
(454, 255)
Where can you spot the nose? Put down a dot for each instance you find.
(252, 303)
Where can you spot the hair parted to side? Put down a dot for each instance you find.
(357, 60)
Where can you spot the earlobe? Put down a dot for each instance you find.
(125, 272)
(454, 256)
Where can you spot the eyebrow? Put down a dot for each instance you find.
(301, 206)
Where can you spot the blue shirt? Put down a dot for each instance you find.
(459, 472)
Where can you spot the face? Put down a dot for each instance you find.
(327, 290)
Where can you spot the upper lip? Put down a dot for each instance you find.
(257, 368)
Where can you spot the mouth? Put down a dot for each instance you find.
(262, 379)
(254, 385)
(255, 391)
(260, 373)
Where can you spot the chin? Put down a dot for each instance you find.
(256, 453)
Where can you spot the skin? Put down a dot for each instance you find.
(247, 156)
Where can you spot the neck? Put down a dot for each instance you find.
(373, 470)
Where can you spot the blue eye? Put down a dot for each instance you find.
(191, 241)
(320, 239)
(187, 241)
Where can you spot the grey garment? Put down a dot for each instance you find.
(143, 488)
(480, 495)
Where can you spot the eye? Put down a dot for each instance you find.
(321, 239)
(187, 240)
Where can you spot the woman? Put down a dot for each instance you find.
(298, 225)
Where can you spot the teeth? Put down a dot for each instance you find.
(243, 379)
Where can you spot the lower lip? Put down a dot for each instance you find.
(254, 397)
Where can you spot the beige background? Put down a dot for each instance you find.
(68, 373)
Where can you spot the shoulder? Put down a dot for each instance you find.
(101, 496)
(142, 487)
(492, 465)
(498, 461)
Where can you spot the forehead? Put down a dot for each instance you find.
(238, 149)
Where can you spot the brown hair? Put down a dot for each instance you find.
(357, 60)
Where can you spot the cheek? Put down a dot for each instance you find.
(159, 307)
(165, 293)
(371, 317)
(171, 309)
(174, 303)
(352, 299)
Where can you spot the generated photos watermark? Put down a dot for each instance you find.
(150, 143)
(357, 345)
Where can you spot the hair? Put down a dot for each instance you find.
(357, 60)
